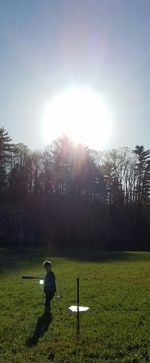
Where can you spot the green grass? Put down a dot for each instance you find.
(115, 286)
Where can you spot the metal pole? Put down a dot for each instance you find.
(78, 318)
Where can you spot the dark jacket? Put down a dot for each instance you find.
(49, 283)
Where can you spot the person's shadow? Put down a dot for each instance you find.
(41, 328)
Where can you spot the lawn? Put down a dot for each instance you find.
(116, 287)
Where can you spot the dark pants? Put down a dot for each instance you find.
(48, 298)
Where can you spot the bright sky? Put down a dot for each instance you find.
(48, 45)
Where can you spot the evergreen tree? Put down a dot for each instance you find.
(6, 150)
(142, 174)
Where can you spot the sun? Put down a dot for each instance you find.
(81, 114)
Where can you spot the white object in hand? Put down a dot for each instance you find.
(41, 282)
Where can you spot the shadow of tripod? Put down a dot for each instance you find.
(41, 328)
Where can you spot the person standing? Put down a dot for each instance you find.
(49, 284)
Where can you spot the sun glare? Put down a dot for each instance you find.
(81, 114)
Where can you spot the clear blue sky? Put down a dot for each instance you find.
(48, 44)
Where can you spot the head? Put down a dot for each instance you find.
(47, 265)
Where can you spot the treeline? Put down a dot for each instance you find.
(72, 198)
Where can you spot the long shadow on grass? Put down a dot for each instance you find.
(113, 256)
(41, 328)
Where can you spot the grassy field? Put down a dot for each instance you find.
(116, 287)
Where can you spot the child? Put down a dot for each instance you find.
(49, 284)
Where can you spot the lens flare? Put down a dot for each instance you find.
(80, 113)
